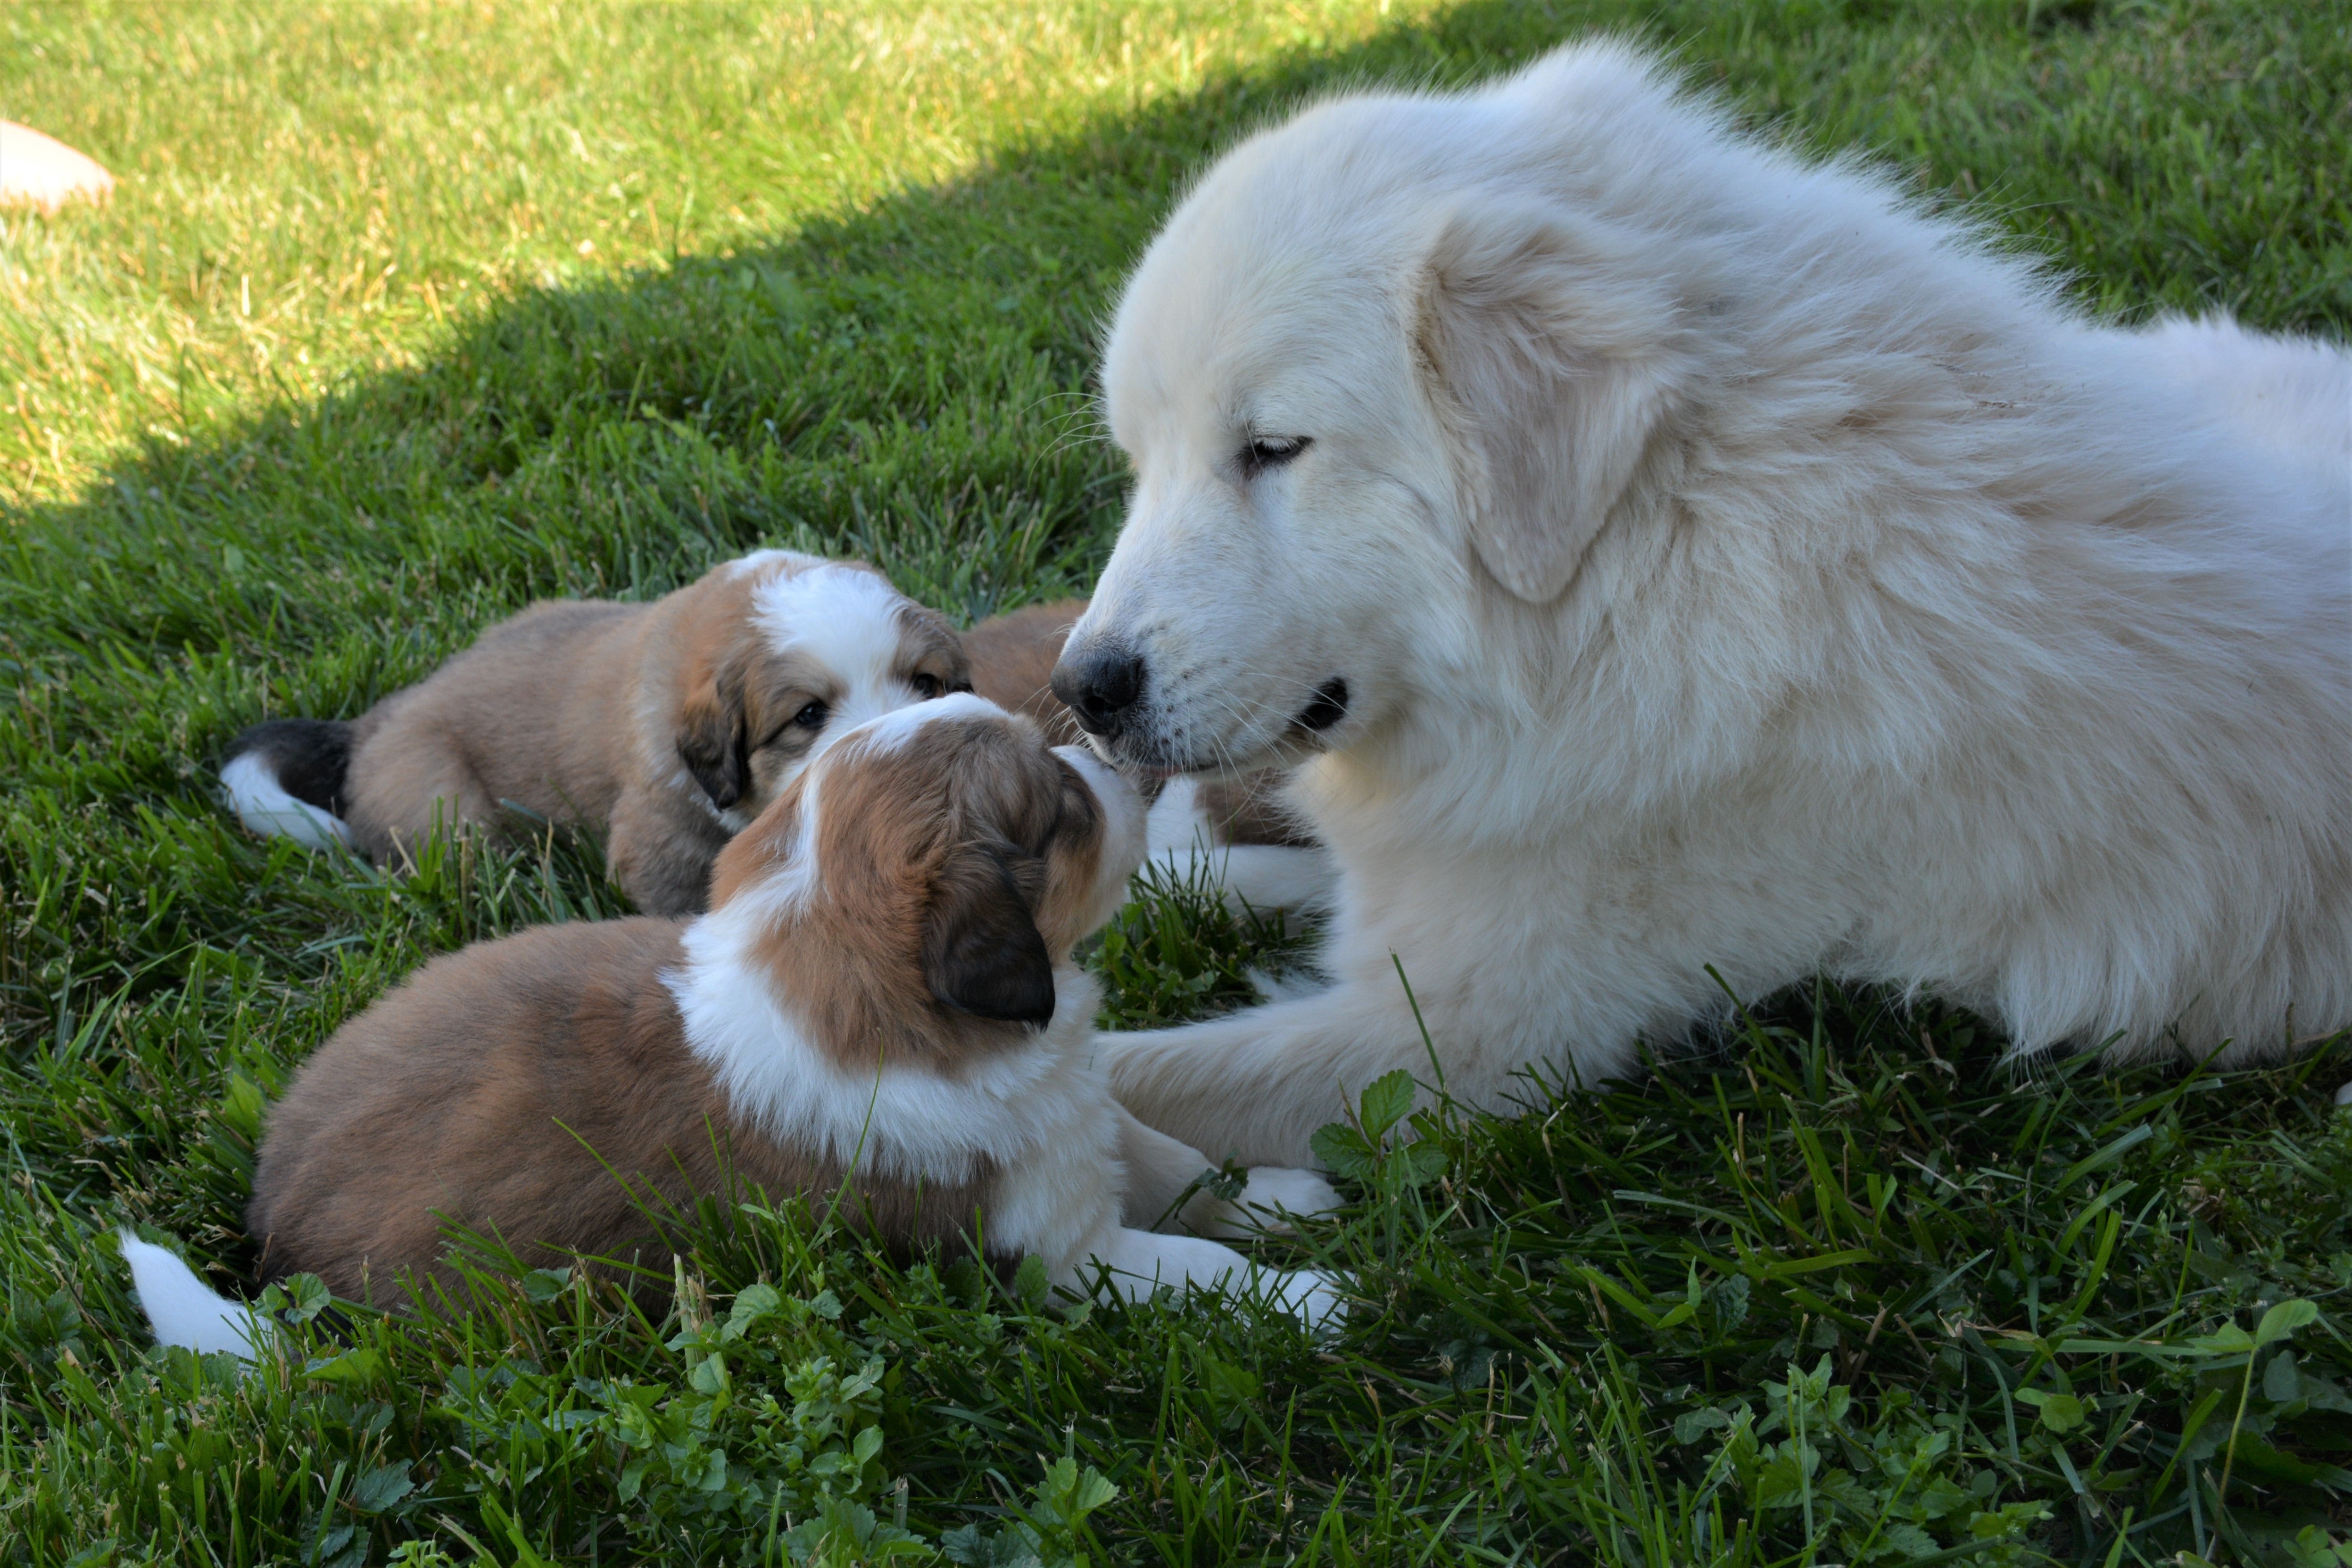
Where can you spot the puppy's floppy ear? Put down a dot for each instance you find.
(711, 741)
(982, 954)
(1551, 356)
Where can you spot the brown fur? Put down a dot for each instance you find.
(1013, 655)
(583, 711)
(969, 836)
(495, 1086)
(1012, 658)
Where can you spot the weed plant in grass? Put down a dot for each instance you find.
(407, 314)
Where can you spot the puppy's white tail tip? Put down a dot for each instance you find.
(182, 1309)
(252, 790)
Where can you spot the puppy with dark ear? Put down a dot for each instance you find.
(711, 741)
(672, 723)
(981, 950)
(882, 1001)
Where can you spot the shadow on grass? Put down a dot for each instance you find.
(908, 383)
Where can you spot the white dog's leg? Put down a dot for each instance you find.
(1255, 1085)
(1248, 877)
(1158, 1169)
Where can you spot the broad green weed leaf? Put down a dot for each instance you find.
(543, 1285)
(1386, 1102)
(1341, 1150)
(2284, 1319)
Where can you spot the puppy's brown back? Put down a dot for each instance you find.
(495, 1086)
(534, 712)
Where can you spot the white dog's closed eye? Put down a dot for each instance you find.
(1552, 360)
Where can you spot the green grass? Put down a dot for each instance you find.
(406, 315)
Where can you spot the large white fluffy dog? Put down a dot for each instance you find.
(1667, 554)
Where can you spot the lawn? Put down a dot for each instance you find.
(406, 315)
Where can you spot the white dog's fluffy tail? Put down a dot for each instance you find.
(182, 1310)
(284, 780)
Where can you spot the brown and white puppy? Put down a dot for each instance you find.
(674, 722)
(1235, 831)
(881, 1000)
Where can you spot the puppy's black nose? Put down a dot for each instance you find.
(1102, 683)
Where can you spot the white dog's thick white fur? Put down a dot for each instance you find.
(1729, 564)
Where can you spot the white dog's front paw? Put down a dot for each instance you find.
(2344, 1095)
(1267, 1193)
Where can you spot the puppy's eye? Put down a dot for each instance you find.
(812, 716)
(926, 687)
(1272, 451)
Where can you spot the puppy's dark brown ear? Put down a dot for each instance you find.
(711, 741)
(982, 951)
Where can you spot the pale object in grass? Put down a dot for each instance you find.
(42, 173)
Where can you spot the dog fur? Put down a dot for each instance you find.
(674, 722)
(1235, 834)
(1713, 560)
(882, 999)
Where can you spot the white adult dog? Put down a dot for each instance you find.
(1664, 553)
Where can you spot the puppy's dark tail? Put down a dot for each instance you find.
(285, 779)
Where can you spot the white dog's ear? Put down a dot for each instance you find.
(1549, 354)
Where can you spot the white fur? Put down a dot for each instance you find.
(790, 559)
(1730, 565)
(183, 1311)
(1043, 1113)
(262, 804)
(844, 617)
(1247, 877)
(901, 725)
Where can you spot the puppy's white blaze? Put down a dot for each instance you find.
(262, 804)
(182, 1309)
(848, 620)
(904, 1123)
(759, 559)
(788, 889)
(845, 617)
(888, 732)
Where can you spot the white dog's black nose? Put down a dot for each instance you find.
(1102, 683)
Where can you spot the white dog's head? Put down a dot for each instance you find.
(1387, 366)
